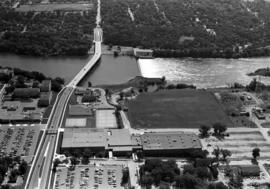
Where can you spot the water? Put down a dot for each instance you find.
(114, 70)
(65, 67)
(203, 73)
(110, 70)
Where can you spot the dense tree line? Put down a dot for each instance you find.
(46, 33)
(196, 175)
(211, 28)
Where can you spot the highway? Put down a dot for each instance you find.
(41, 169)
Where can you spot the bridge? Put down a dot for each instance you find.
(40, 174)
(97, 40)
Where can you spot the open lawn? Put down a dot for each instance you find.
(185, 108)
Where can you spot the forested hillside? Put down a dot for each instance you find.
(46, 33)
(208, 28)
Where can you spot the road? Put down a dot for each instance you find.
(40, 172)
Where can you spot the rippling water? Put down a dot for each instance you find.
(203, 73)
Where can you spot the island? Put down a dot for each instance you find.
(261, 72)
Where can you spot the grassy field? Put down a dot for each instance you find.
(176, 109)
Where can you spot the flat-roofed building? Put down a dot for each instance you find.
(143, 53)
(24, 93)
(169, 143)
(19, 112)
(84, 138)
(121, 143)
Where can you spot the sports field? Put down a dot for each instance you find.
(176, 109)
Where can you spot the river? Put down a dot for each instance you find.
(110, 70)
(205, 72)
(114, 70)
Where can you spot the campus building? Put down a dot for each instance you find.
(120, 142)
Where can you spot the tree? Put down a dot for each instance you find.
(256, 153)
(189, 168)
(225, 153)
(73, 161)
(219, 129)
(23, 167)
(146, 180)
(203, 162)
(216, 152)
(204, 131)
(3, 169)
(236, 181)
(89, 84)
(87, 153)
(60, 80)
(55, 164)
(77, 153)
(85, 160)
(203, 173)
(13, 176)
(121, 94)
(214, 172)
(125, 177)
(187, 181)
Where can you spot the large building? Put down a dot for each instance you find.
(95, 139)
(120, 142)
(169, 143)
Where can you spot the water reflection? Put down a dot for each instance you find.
(204, 72)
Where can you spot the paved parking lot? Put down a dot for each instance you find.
(94, 176)
(19, 141)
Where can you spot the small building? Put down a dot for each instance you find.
(45, 99)
(45, 86)
(143, 53)
(250, 170)
(25, 93)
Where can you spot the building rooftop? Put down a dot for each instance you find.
(26, 93)
(170, 140)
(119, 137)
(83, 137)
